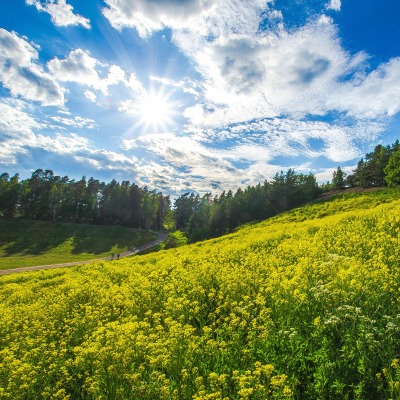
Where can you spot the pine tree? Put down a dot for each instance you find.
(338, 179)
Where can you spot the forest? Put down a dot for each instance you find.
(46, 196)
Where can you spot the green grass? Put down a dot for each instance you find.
(28, 243)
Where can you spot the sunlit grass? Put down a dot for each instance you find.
(29, 243)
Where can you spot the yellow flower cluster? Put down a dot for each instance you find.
(304, 305)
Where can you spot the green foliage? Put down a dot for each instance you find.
(175, 239)
(48, 197)
(29, 243)
(392, 170)
(205, 217)
(9, 194)
(338, 179)
(303, 306)
(371, 170)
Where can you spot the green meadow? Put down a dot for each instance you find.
(29, 243)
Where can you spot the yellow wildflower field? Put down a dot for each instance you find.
(305, 305)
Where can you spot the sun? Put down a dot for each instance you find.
(155, 111)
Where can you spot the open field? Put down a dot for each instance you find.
(28, 243)
(305, 305)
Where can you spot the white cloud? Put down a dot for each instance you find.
(82, 68)
(79, 67)
(148, 16)
(76, 122)
(250, 74)
(20, 133)
(334, 5)
(80, 149)
(292, 138)
(195, 159)
(371, 96)
(59, 144)
(187, 164)
(186, 85)
(226, 18)
(266, 75)
(21, 73)
(90, 95)
(61, 12)
(16, 124)
(214, 159)
(16, 129)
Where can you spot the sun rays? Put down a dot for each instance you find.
(155, 111)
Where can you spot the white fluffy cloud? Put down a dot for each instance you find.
(22, 74)
(248, 74)
(61, 12)
(79, 67)
(16, 124)
(82, 68)
(148, 16)
(267, 75)
(16, 130)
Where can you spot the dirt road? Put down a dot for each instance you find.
(160, 238)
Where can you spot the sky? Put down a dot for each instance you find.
(196, 95)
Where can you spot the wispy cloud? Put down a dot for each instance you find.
(20, 132)
(62, 13)
(374, 95)
(76, 122)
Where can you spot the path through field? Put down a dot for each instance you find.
(160, 238)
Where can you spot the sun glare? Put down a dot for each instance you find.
(154, 111)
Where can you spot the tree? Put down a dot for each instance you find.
(392, 170)
(148, 208)
(9, 194)
(338, 179)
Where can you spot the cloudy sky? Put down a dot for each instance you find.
(196, 95)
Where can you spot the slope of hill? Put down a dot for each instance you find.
(29, 243)
(305, 305)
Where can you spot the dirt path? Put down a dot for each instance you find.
(160, 238)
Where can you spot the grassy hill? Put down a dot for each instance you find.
(305, 305)
(29, 243)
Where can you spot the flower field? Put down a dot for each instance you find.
(305, 305)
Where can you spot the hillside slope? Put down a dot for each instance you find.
(28, 243)
(305, 305)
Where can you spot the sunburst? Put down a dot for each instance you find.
(155, 111)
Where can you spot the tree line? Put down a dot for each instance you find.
(46, 196)
(202, 217)
(50, 197)
(205, 217)
(381, 167)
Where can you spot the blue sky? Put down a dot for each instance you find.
(196, 94)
